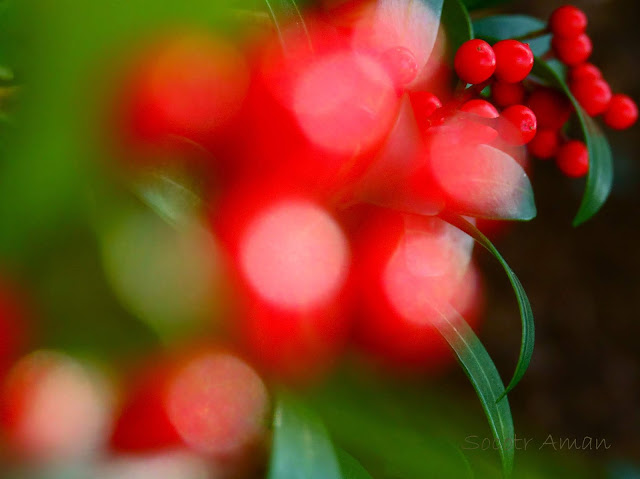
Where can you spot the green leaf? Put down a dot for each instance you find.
(369, 415)
(526, 314)
(350, 467)
(457, 24)
(600, 177)
(475, 4)
(302, 448)
(484, 377)
(503, 27)
(286, 16)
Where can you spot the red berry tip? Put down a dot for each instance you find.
(568, 21)
(514, 60)
(518, 125)
(584, 71)
(572, 51)
(573, 159)
(506, 94)
(545, 144)
(593, 95)
(622, 112)
(481, 108)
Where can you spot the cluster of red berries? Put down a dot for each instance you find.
(573, 47)
(547, 110)
(510, 62)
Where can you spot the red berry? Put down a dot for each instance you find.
(568, 21)
(507, 94)
(622, 112)
(424, 105)
(593, 95)
(475, 61)
(572, 50)
(409, 269)
(584, 71)
(211, 401)
(552, 108)
(53, 408)
(190, 86)
(573, 159)
(514, 60)
(401, 65)
(545, 144)
(518, 125)
(291, 263)
(481, 108)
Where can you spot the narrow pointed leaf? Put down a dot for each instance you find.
(600, 177)
(503, 27)
(526, 314)
(301, 448)
(484, 377)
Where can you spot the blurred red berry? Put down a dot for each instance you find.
(584, 71)
(401, 65)
(291, 262)
(424, 105)
(481, 108)
(142, 423)
(317, 120)
(189, 86)
(476, 177)
(622, 112)
(573, 159)
(551, 107)
(53, 408)
(567, 21)
(506, 94)
(572, 50)
(475, 61)
(545, 144)
(593, 95)
(514, 60)
(408, 269)
(208, 400)
(518, 125)
(218, 404)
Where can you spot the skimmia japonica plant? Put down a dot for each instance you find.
(325, 170)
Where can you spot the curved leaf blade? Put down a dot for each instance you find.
(457, 24)
(600, 176)
(526, 313)
(503, 27)
(302, 448)
(484, 377)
